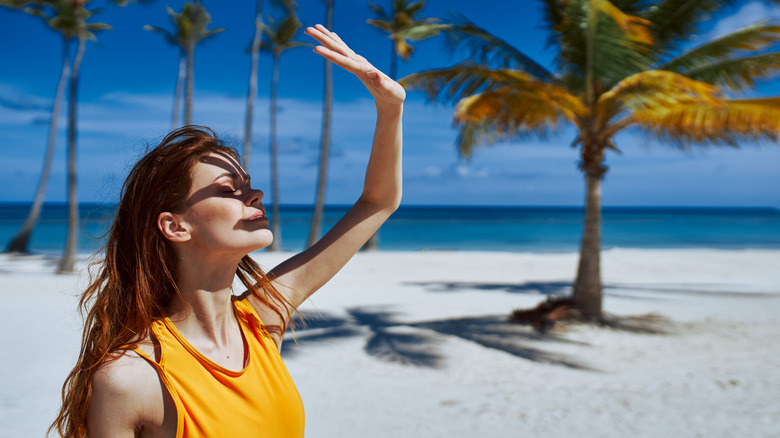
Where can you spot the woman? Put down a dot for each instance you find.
(168, 350)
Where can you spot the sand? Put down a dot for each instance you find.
(416, 344)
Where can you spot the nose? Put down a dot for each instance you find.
(254, 196)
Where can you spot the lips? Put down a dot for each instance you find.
(259, 215)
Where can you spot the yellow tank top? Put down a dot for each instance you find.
(212, 401)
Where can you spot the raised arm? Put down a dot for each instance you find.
(304, 273)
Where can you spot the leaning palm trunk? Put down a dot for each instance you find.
(275, 227)
(587, 293)
(393, 61)
(250, 98)
(67, 262)
(322, 174)
(21, 241)
(177, 94)
(190, 83)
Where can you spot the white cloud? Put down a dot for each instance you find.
(747, 14)
(115, 129)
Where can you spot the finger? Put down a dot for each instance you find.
(332, 40)
(326, 42)
(338, 38)
(339, 59)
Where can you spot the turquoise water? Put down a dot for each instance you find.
(537, 229)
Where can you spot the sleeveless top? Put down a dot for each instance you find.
(212, 401)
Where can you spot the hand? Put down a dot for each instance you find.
(387, 92)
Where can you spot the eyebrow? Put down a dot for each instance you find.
(234, 176)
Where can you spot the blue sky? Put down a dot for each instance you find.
(127, 88)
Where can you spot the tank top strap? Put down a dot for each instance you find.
(248, 316)
(155, 334)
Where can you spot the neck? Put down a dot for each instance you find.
(205, 309)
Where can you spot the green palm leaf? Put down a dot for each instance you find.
(674, 22)
(740, 73)
(462, 80)
(486, 48)
(751, 38)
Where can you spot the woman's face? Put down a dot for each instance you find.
(223, 212)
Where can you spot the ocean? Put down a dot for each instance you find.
(467, 228)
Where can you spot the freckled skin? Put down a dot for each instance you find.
(218, 219)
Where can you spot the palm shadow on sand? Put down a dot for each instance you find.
(561, 288)
(414, 343)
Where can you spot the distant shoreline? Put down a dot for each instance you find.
(545, 229)
(659, 208)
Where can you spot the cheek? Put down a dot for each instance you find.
(214, 219)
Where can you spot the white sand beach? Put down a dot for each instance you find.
(417, 344)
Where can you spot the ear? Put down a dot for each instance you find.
(173, 227)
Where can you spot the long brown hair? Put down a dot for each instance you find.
(133, 284)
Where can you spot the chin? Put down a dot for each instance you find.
(262, 239)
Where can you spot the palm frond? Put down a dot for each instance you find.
(653, 89)
(403, 49)
(740, 73)
(382, 24)
(414, 8)
(423, 29)
(620, 44)
(698, 122)
(514, 111)
(634, 28)
(379, 11)
(462, 80)
(525, 106)
(485, 48)
(674, 22)
(208, 33)
(171, 38)
(750, 38)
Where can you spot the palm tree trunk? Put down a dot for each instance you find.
(67, 262)
(275, 227)
(179, 85)
(21, 241)
(393, 61)
(250, 98)
(587, 293)
(322, 174)
(190, 83)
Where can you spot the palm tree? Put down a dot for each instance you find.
(279, 40)
(618, 65)
(190, 28)
(252, 93)
(401, 26)
(322, 170)
(78, 13)
(21, 240)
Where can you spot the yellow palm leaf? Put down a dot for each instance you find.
(636, 28)
(528, 106)
(700, 122)
(403, 48)
(653, 89)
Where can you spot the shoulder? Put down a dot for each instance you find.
(124, 376)
(126, 394)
